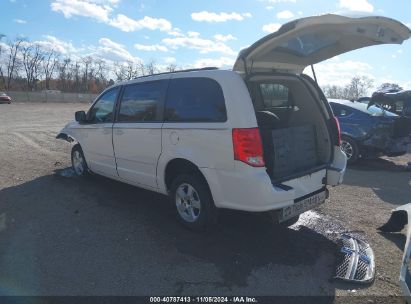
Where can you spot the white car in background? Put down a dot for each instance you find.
(259, 138)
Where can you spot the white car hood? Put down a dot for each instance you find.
(310, 40)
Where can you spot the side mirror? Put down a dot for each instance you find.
(80, 116)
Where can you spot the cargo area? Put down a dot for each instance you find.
(292, 124)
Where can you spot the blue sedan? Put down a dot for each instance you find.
(370, 131)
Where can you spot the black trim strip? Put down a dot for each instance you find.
(310, 194)
(299, 174)
(283, 187)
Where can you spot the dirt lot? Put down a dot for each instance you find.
(60, 235)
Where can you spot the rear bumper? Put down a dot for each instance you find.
(250, 189)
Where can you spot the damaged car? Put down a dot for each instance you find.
(398, 102)
(370, 131)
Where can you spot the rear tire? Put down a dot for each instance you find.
(78, 161)
(193, 203)
(350, 147)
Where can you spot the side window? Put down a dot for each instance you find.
(340, 111)
(335, 108)
(103, 110)
(141, 101)
(345, 112)
(274, 95)
(195, 100)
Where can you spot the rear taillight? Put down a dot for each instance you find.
(248, 147)
(337, 124)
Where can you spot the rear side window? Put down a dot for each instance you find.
(195, 100)
(274, 95)
(341, 111)
(141, 101)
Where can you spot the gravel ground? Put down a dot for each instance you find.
(60, 235)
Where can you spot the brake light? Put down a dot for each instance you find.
(337, 123)
(248, 147)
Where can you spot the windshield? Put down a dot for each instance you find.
(373, 110)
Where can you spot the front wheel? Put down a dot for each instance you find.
(78, 161)
(350, 148)
(194, 205)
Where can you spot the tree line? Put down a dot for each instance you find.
(33, 67)
(356, 88)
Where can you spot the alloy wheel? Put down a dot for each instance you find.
(347, 148)
(78, 163)
(188, 202)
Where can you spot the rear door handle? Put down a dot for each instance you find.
(119, 132)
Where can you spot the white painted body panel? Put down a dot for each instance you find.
(137, 147)
(96, 143)
(340, 34)
(143, 151)
(335, 173)
(250, 189)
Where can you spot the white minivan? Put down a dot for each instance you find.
(259, 138)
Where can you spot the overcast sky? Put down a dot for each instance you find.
(195, 33)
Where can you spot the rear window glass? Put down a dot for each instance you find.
(363, 107)
(274, 95)
(140, 101)
(195, 100)
(373, 110)
(305, 45)
(341, 111)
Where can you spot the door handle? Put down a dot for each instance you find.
(119, 132)
(105, 131)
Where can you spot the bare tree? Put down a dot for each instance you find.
(87, 66)
(102, 72)
(32, 59)
(128, 70)
(141, 69)
(63, 74)
(357, 88)
(334, 91)
(120, 71)
(49, 64)
(171, 67)
(2, 79)
(75, 73)
(13, 62)
(151, 68)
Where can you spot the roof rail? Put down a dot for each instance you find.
(179, 71)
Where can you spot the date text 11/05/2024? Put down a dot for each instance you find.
(203, 300)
